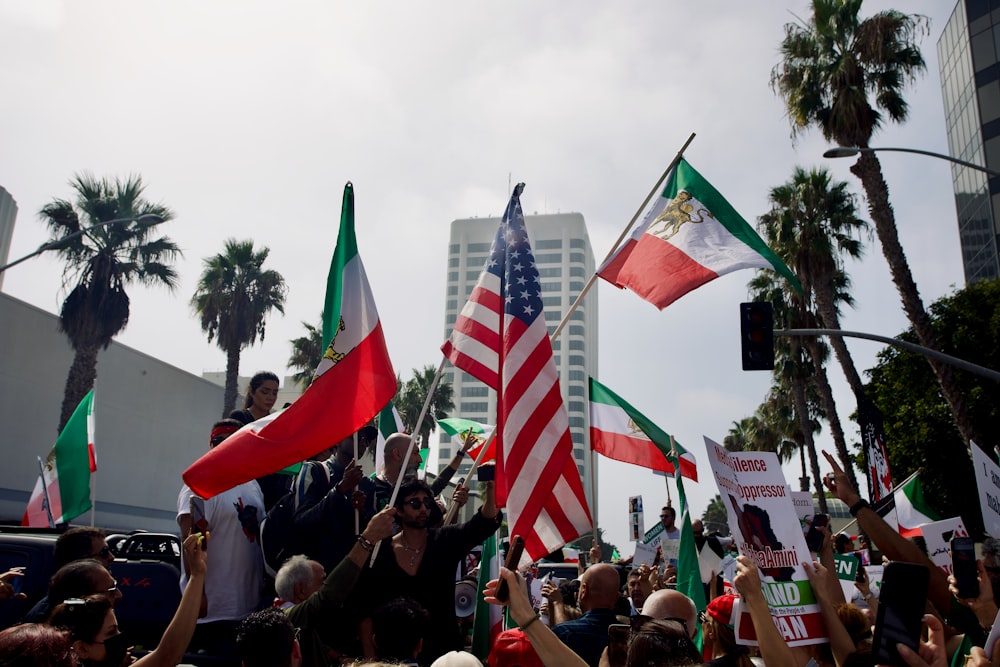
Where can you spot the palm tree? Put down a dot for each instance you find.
(234, 295)
(307, 351)
(99, 264)
(410, 399)
(715, 517)
(811, 223)
(834, 68)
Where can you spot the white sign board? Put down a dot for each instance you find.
(937, 535)
(988, 480)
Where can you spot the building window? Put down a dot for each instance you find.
(474, 391)
(578, 244)
(576, 421)
(451, 304)
(453, 275)
(577, 360)
(556, 344)
(454, 248)
(582, 473)
(553, 316)
(472, 275)
(478, 260)
(552, 301)
(550, 272)
(577, 406)
(577, 272)
(478, 247)
(474, 406)
(452, 290)
(549, 244)
(548, 258)
(578, 376)
(576, 345)
(577, 315)
(576, 390)
(578, 454)
(577, 437)
(453, 263)
(577, 257)
(444, 453)
(576, 330)
(450, 319)
(575, 287)
(551, 287)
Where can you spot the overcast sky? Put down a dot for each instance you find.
(247, 118)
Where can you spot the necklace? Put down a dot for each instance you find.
(413, 550)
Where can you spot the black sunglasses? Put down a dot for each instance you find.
(417, 503)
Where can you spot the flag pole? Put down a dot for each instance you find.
(409, 450)
(642, 207)
(593, 490)
(45, 494)
(898, 486)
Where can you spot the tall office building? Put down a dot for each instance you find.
(969, 58)
(565, 261)
(8, 214)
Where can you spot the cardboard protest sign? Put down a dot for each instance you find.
(652, 536)
(988, 481)
(644, 553)
(847, 572)
(766, 528)
(937, 535)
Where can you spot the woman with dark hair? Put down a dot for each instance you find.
(93, 627)
(262, 392)
(720, 638)
(661, 643)
(35, 645)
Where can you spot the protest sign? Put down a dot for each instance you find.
(847, 572)
(937, 535)
(652, 536)
(766, 528)
(988, 481)
(644, 553)
(635, 517)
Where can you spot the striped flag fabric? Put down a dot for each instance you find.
(62, 491)
(354, 380)
(690, 236)
(912, 511)
(457, 428)
(620, 432)
(537, 479)
(688, 568)
(488, 622)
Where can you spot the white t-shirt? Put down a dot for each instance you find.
(235, 577)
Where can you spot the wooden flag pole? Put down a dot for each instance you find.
(638, 212)
(898, 486)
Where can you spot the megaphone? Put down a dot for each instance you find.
(465, 599)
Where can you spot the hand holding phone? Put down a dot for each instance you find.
(814, 538)
(513, 558)
(486, 473)
(901, 606)
(963, 564)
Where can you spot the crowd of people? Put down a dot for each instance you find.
(361, 579)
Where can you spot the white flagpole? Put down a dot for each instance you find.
(642, 207)
(449, 518)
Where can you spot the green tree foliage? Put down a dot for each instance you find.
(715, 518)
(307, 351)
(100, 264)
(918, 427)
(235, 294)
(410, 397)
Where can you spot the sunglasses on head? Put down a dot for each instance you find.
(417, 503)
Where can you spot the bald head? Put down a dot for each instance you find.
(668, 603)
(599, 587)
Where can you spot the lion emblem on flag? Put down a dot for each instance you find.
(331, 353)
(678, 212)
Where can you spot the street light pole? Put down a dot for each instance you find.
(149, 219)
(851, 151)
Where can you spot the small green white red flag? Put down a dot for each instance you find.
(690, 236)
(488, 622)
(458, 428)
(912, 511)
(620, 432)
(62, 491)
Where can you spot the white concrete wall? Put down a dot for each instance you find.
(152, 421)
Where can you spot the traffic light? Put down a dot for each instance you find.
(757, 335)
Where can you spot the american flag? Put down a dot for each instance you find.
(537, 478)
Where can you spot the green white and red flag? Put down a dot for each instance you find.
(354, 380)
(459, 428)
(488, 622)
(620, 432)
(62, 491)
(912, 511)
(690, 236)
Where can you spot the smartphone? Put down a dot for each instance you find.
(657, 558)
(513, 558)
(618, 634)
(860, 576)
(963, 563)
(814, 538)
(901, 604)
(199, 520)
(486, 473)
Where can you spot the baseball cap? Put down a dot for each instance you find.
(512, 649)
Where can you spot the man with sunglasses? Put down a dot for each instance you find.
(420, 562)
